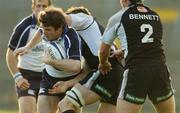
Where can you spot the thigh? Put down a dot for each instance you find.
(47, 104)
(108, 86)
(106, 108)
(88, 95)
(124, 106)
(160, 88)
(135, 84)
(27, 104)
(167, 106)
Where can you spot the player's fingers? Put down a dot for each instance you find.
(25, 86)
(51, 91)
(57, 84)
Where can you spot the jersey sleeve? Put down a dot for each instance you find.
(20, 34)
(80, 21)
(75, 48)
(110, 35)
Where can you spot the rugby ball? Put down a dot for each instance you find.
(56, 51)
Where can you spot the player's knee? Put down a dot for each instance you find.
(65, 104)
(75, 97)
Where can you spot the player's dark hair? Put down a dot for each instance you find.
(75, 10)
(52, 16)
(136, 1)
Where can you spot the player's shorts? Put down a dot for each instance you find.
(34, 79)
(142, 81)
(49, 81)
(106, 86)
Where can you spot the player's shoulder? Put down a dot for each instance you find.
(71, 32)
(25, 22)
(118, 15)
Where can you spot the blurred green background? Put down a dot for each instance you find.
(12, 11)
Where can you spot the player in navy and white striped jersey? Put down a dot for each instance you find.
(27, 70)
(67, 42)
(140, 31)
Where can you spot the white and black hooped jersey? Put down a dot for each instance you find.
(23, 33)
(140, 31)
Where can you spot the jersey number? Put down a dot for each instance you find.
(147, 38)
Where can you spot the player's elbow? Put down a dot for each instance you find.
(76, 67)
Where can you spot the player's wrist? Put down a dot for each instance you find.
(104, 63)
(17, 76)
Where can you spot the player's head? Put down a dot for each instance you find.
(40, 5)
(125, 3)
(53, 22)
(81, 9)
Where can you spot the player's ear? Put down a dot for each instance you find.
(32, 7)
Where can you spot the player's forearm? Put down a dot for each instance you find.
(78, 78)
(104, 53)
(68, 65)
(35, 40)
(11, 61)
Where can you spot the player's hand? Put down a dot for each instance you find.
(105, 68)
(118, 54)
(47, 58)
(23, 83)
(59, 87)
(21, 51)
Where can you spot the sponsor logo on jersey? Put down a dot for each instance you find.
(142, 9)
(103, 90)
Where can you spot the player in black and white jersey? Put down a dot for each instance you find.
(140, 31)
(27, 70)
(95, 86)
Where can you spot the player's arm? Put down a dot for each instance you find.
(35, 40)
(104, 51)
(62, 86)
(67, 65)
(85, 70)
(12, 60)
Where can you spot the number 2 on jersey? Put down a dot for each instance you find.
(147, 38)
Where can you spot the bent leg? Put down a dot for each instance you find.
(27, 104)
(65, 106)
(77, 97)
(127, 107)
(167, 106)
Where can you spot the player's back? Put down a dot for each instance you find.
(143, 31)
